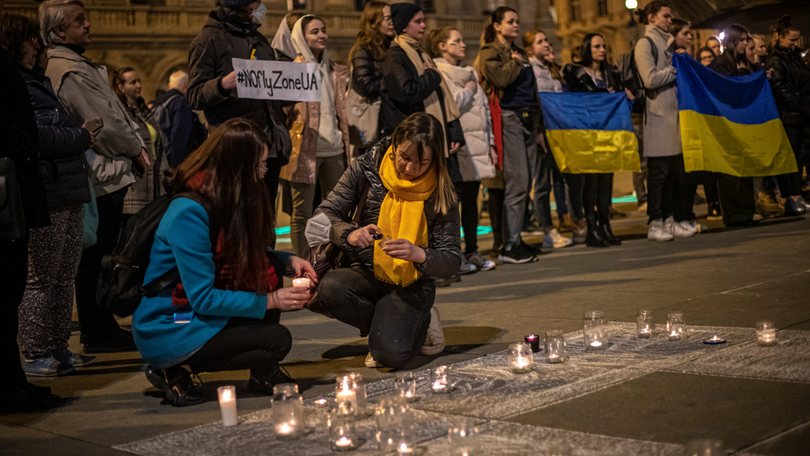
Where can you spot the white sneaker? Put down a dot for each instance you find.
(699, 228)
(371, 363)
(686, 225)
(466, 268)
(434, 342)
(554, 240)
(676, 229)
(658, 233)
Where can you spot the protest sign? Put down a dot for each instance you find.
(271, 80)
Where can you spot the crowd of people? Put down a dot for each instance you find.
(90, 154)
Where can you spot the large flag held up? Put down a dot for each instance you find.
(590, 132)
(730, 125)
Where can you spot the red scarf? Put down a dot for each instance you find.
(225, 273)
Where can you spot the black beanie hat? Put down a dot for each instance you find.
(401, 15)
(236, 3)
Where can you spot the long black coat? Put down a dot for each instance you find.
(443, 254)
(62, 143)
(18, 129)
(786, 65)
(210, 59)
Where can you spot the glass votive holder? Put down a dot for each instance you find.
(396, 426)
(675, 325)
(555, 346)
(288, 411)
(704, 447)
(766, 334)
(644, 324)
(440, 380)
(463, 437)
(342, 432)
(350, 388)
(521, 358)
(227, 405)
(534, 341)
(405, 385)
(594, 330)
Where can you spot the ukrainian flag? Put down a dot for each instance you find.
(590, 132)
(730, 125)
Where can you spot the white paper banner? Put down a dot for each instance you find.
(271, 80)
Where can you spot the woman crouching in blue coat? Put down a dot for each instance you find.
(223, 312)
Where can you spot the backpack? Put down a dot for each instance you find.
(120, 283)
(631, 78)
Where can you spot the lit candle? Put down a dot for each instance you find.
(521, 362)
(766, 334)
(596, 344)
(347, 395)
(714, 341)
(438, 386)
(285, 429)
(404, 449)
(301, 282)
(534, 341)
(343, 442)
(227, 405)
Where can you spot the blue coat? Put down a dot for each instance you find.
(182, 239)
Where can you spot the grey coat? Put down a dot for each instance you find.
(662, 129)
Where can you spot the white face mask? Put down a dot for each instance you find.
(259, 14)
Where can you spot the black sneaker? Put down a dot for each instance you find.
(120, 341)
(181, 390)
(517, 254)
(264, 383)
(534, 249)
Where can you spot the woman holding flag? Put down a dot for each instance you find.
(596, 75)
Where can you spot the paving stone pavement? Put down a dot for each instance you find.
(510, 408)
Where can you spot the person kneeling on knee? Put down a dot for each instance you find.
(222, 312)
(406, 237)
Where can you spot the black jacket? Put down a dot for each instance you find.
(18, 128)
(210, 59)
(578, 80)
(726, 65)
(367, 73)
(62, 143)
(786, 65)
(443, 255)
(803, 81)
(182, 130)
(404, 92)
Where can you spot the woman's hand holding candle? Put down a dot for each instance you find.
(403, 249)
(288, 298)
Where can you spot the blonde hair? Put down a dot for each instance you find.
(178, 79)
(437, 37)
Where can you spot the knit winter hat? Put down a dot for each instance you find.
(236, 3)
(401, 15)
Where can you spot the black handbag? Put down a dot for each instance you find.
(12, 219)
(326, 257)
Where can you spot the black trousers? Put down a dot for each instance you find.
(271, 179)
(791, 184)
(737, 200)
(596, 197)
(98, 324)
(496, 216)
(13, 274)
(468, 198)
(244, 343)
(668, 195)
(395, 318)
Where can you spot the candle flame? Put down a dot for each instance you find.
(226, 395)
(403, 446)
(285, 428)
(714, 338)
(596, 343)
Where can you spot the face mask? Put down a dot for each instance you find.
(259, 14)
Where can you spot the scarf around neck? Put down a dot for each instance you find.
(432, 104)
(402, 216)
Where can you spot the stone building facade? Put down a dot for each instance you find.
(153, 36)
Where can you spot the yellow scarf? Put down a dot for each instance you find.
(402, 216)
(432, 104)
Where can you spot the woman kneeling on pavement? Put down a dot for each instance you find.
(389, 292)
(223, 312)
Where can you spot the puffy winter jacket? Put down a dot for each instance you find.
(210, 59)
(803, 82)
(578, 80)
(786, 65)
(62, 143)
(443, 254)
(367, 73)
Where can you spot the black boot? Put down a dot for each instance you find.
(603, 194)
(608, 233)
(594, 237)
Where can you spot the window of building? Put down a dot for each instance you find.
(576, 10)
(603, 7)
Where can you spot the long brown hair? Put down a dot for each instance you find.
(652, 8)
(228, 163)
(422, 130)
(370, 35)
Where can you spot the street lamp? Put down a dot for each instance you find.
(631, 4)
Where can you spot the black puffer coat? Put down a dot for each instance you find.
(62, 143)
(367, 73)
(210, 59)
(579, 80)
(803, 81)
(786, 65)
(443, 254)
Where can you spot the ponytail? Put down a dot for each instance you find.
(497, 17)
(652, 8)
(785, 26)
(435, 38)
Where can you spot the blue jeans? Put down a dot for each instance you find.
(396, 319)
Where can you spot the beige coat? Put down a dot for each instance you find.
(662, 129)
(305, 127)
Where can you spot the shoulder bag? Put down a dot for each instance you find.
(363, 117)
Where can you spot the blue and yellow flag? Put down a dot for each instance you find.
(730, 125)
(590, 132)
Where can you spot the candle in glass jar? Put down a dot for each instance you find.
(284, 429)
(404, 449)
(227, 405)
(596, 344)
(766, 334)
(534, 341)
(347, 395)
(343, 442)
(301, 282)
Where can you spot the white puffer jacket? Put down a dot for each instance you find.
(473, 158)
